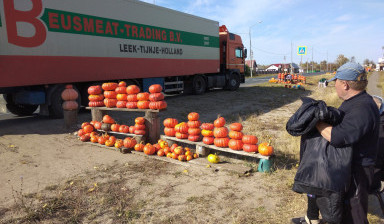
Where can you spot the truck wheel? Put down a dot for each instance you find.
(55, 107)
(233, 82)
(19, 109)
(199, 85)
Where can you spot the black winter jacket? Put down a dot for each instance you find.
(323, 168)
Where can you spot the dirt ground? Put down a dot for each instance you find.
(41, 160)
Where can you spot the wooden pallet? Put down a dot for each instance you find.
(204, 149)
(152, 120)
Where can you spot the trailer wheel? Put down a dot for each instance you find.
(233, 82)
(199, 85)
(19, 109)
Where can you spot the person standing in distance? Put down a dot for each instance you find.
(359, 129)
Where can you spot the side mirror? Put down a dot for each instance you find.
(245, 53)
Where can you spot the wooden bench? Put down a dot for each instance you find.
(204, 149)
(152, 120)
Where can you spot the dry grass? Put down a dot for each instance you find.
(136, 192)
(381, 81)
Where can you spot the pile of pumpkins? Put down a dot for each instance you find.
(216, 133)
(109, 124)
(88, 132)
(112, 94)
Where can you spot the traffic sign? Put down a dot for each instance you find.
(302, 50)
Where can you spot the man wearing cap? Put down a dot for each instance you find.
(359, 129)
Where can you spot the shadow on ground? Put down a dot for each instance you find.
(233, 105)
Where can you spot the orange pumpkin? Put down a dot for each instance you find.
(133, 89)
(102, 140)
(139, 126)
(69, 93)
(88, 128)
(144, 96)
(194, 131)
(129, 142)
(97, 125)
(108, 119)
(110, 102)
(121, 104)
(182, 128)
(160, 152)
(181, 135)
(193, 116)
(122, 83)
(194, 138)
(155, 88)
(139, 147)
(110, 94)
(194, 124)
(121, 90)
(70, 105)
(94, 90)
(139, 120)
(219, 122)
(265, 149)
(250, 139)
(97, 97)
(207, 126)
(238, 135)
(221, 142)
(170, 122)
(236, 127)
(123, 128)
(115, 127)
(109, 86)
(235, 144)
(250, 148)
(139, 132)
(131, 105)
(169, 132)
(143, 104)
(121, 97)
(149, 149)
(156, 97)
(220, 132)
(96, 103)
(132, 98)
(109, 143)
(132, 129)
(157, 105)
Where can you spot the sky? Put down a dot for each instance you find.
(328, 28)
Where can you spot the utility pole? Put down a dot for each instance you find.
(250, 45)
(291, 60)
(327, 61)
(312, 59)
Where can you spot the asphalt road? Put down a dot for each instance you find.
(256, 80)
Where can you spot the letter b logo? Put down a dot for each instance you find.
(12, 16)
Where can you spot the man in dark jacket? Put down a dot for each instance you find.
(358, 129)
(324, 172)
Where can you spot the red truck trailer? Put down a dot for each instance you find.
(47, 44)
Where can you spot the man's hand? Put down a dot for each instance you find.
(325, 130)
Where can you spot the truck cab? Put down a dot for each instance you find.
(232, 57)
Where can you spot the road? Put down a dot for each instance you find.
(256, 80)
